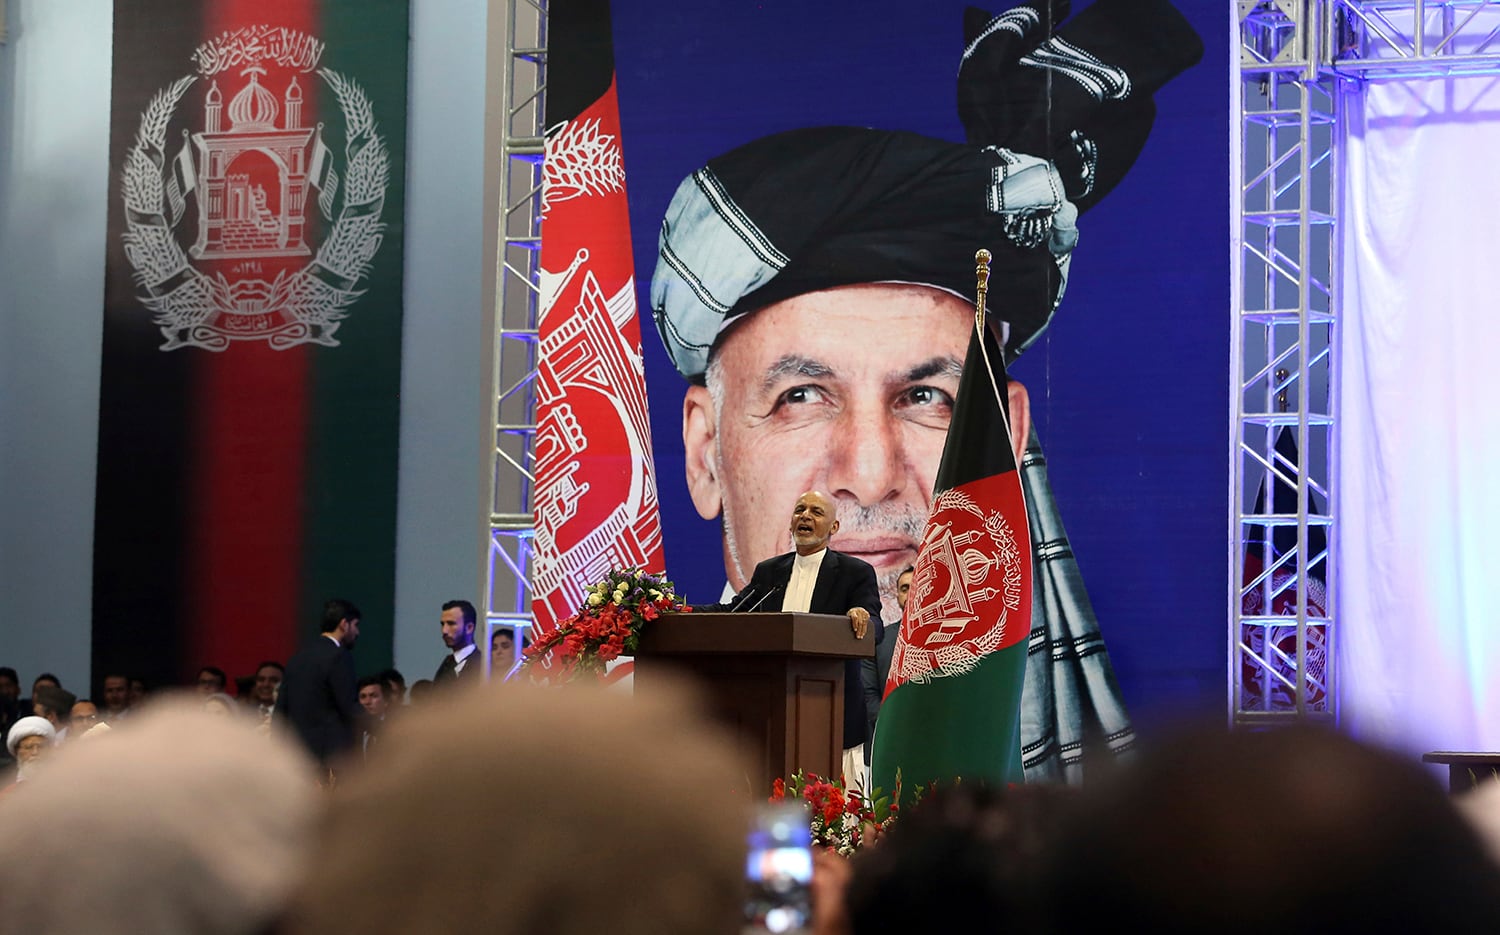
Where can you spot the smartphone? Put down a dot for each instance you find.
(778, 869)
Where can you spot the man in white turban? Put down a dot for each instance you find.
(28, 741)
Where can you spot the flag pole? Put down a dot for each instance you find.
(981, 293)
(981, 287)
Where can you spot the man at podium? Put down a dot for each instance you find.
(815, 579)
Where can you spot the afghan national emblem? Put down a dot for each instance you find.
(968, 583)
(259, 263)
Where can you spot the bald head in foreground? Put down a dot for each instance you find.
(176, 823)
(1298, 830)
(582, 811)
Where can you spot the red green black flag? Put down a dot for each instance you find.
(953, 702)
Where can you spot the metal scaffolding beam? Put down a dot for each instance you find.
(521, 114)
(1300, 63)
(1283, 353)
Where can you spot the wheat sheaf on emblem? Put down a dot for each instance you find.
(581, 161)
(190, 306)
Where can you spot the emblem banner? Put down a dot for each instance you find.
(252, 329)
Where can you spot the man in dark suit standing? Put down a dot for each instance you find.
(877, 671)
(319, 695)
(816, 579)
(462, 661)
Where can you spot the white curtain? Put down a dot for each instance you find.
(1419, 430)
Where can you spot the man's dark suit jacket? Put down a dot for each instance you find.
(875, 673)
(320, 698)
(472, 671)
(843, 582)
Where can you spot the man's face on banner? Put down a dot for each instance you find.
(849, 391)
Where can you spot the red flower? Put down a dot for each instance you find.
(778, 790)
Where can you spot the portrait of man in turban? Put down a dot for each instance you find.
(816, 288)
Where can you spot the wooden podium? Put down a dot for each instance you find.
(775, 679)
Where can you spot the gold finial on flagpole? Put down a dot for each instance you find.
(981, 287)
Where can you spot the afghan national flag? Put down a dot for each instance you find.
(251, 344)
(595, 495)
(952, 705)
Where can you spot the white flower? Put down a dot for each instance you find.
(655, 594)
(595, 600)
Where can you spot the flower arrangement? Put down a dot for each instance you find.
(842, 819)
(609, 623)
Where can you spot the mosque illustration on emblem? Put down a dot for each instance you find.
(589, 388)
(252, 175)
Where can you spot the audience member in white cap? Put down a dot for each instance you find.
(28, 741)
(215, 819)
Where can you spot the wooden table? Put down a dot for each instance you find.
(1466, 770)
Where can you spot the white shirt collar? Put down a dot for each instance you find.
(813, 561)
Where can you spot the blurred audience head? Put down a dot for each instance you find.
(1293, 830)
(421, 691)
(136, 691)
(268, 676)
(244, 690)
(629, 824)
(46, 678)
(29, 741)
(83, 715)
(395, 686)
(214, 817)
(220, 705)
(10, 685)
(211, 680)
(962, 858)
(341, 621)
(116, 695)
(54, 704)
(502, 651)
(372, 696)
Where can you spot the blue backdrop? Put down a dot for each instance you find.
(1129, 386)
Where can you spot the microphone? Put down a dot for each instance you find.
(739, 601)
(763, 599)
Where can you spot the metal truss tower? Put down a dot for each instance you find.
(1299, 62)
(519, 68)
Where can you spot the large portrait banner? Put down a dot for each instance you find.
(808, 187)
